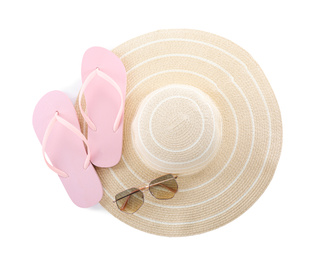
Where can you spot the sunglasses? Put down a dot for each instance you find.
(162, 188)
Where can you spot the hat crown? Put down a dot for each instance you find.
(177, 129)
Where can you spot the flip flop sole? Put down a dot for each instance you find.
(102, 105)
(66, 151)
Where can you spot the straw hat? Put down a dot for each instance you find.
(199, 106)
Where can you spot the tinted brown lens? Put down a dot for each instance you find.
(164, 187)
(129, 200)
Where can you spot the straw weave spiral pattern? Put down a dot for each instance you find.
(199, 106)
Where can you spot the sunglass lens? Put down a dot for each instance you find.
(130, 200)
(164, 187)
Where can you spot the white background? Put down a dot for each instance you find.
(41, 47)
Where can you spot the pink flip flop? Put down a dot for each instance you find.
(56, 126)
(104, 89)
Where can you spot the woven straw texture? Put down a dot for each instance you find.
(199, 106)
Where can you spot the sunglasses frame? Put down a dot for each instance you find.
(142, 189)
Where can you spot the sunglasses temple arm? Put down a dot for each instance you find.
(129, 194)
(125, 204)
(166, 187)
(160, 182)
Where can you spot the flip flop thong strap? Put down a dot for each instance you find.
(90, 77)
(73, 129)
